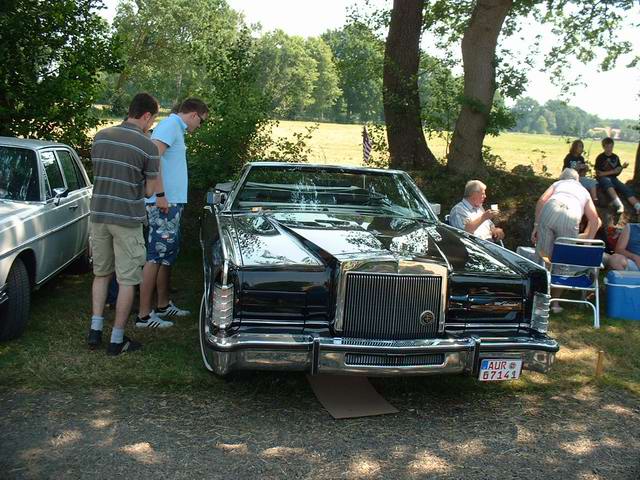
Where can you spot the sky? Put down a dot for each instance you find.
(613, 94)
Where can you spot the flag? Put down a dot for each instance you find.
(366, 145)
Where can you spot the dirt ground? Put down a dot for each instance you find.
(246, 430)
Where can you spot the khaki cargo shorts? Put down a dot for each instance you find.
(120, 249)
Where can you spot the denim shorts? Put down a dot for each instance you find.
(164, 234)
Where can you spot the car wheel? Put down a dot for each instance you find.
(14, 313)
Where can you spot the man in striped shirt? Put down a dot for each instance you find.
(125, 167)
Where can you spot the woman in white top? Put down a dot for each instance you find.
(559, 212)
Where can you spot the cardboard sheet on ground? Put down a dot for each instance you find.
(349, 397)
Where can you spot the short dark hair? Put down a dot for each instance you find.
(193, 105)
(607, 141)
(141, 104)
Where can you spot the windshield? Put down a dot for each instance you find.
(18, 174)
(322, 189)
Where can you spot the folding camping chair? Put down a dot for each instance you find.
(575, 264)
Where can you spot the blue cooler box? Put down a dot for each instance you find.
(623, 295)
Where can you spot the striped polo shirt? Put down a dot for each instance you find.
(123, 159)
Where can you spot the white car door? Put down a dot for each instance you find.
(59, 216)
(78, 198)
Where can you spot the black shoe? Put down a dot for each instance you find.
(127, 345)
(94, 340)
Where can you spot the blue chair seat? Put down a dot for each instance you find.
(575, 263)
(580, 281)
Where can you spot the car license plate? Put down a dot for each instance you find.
(499, 369)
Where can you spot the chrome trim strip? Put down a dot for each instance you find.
(225, 252)
(42, 235)
(488, 325)
(262, 323)
(234, 193)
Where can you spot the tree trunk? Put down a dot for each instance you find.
(478, 55)
(636, 167)
(408, 148)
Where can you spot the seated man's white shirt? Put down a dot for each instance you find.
(463, 213)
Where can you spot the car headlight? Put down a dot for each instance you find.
(540, 312)
(222, 306)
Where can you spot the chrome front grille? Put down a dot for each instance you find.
(390, 306)
(368, 360)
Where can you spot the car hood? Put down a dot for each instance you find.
(279, 238)
(12, 213)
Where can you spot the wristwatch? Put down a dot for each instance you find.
(160, 194)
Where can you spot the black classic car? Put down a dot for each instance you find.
(330, 269)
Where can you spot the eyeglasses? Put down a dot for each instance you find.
(202, 120)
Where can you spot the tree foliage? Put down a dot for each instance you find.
(359, 55)
(566, 120)
(51, 55)
(165, 44)
(287, 72)
(326, 89)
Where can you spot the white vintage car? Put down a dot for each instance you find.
(44, 222)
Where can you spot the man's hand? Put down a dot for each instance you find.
(162, 204)
(497, 233)
(624, 165)
(488, 215)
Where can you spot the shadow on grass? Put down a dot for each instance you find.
(270, 426)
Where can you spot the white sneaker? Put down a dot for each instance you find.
(153, 322)
(172, 311)
(556, 308)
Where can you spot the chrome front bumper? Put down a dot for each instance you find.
(251, 351)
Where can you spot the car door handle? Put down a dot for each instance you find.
(73, 207)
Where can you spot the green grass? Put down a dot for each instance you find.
(334, 143)
(53, 353)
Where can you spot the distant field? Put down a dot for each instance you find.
(338, 144)
(342, 144)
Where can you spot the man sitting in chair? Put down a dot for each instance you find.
(469, 215)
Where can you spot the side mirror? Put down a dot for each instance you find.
(215, 197)
(59, 193)
(435, 207)
(219, 194)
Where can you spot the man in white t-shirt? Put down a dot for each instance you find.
(469, 215)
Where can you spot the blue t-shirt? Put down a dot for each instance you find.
(633, 245)
(170, 131)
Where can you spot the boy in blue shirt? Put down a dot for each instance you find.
(164, 211)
